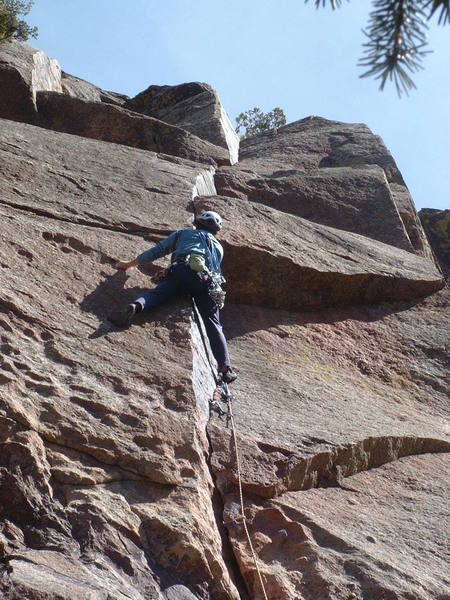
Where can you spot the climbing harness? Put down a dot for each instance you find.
(228, 397)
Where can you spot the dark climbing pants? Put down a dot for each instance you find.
(181, 279)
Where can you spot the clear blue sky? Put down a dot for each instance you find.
(262, 53)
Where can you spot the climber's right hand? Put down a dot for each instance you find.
(125, 265)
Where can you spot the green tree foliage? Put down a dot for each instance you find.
(11, 25)
(396, 38)
(254, 121)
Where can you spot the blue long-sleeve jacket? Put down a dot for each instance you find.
(181, 243)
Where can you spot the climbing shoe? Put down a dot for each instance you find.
(229, 375)
(123, 317)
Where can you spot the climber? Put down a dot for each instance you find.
(195, 269)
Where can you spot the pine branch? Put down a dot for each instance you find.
(397, 40)
(444, 5)
(334, 3)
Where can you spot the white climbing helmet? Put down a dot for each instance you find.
(210, 220)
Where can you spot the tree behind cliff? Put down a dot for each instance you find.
(254, 121)
(11, 25)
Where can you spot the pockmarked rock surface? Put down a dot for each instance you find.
(24, 71)
(437, 227)
(112, 123)
(117, 479)
(281, 261)
(193, 106)
(103, 436)
(320, 170)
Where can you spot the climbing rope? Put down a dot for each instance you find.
(228, 398)
(230, 419)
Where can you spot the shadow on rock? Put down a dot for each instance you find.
(110, 294)
(239, 319)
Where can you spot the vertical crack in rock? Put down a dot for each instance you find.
(204, 386)
(114, 481)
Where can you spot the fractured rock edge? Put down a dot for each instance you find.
(316, 142)
(193, 106)
(308, 554)
(293, 471)
(315, 265)
(112, 123)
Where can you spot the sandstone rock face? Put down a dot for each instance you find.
(118, 477)
(192, 106)
(104, 502)
(352, 199)
(363, 541)
(61, 175)
(326, 171)
(111, 123)
(23, 72)
(323, 401)
(437, 227)
(277, 260)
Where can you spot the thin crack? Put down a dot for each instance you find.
(142, 232)
(218, 511)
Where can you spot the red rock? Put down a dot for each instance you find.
(110, 447)
(281, 261)
(193, 106)
(323, 400)
(329, 550)
(115, 481)
(115, 124)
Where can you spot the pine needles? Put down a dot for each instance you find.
(397, 40)
(333, 3)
